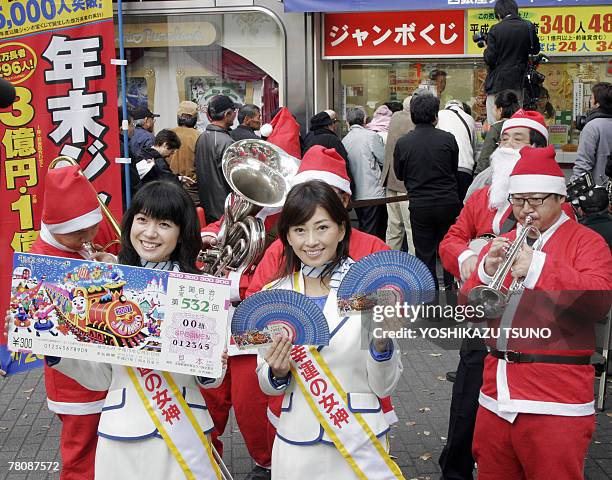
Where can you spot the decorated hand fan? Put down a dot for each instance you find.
(383, 275)
(261, 316)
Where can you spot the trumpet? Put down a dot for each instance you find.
(494, 297)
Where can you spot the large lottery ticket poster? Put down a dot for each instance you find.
(57, 54)
(118, 314)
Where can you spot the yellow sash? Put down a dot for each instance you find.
(175, 422)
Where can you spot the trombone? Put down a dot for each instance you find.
(57, 163)
(496, 296)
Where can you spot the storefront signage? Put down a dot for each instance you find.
(152, 35)
(386, 5)
(57, 54)
(562, 31)
(393, 34)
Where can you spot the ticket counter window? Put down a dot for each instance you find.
(172, 58)
(564, 94)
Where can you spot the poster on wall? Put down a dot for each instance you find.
(562, 30)
(110, 313)
(58, 57)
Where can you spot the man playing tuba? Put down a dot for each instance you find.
(536, 414)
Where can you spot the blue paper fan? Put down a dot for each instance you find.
(295, 313)
(389, 268)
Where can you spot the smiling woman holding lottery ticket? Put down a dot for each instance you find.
(153, 424)
(331, 423)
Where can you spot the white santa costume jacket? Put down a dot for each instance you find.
(573, 260)
(303, 450)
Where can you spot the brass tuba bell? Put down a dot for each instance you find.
(259, 174)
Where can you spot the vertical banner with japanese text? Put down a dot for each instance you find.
(57, 54)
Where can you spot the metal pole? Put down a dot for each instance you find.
(126, 151)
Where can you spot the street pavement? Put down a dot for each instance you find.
(30, 433)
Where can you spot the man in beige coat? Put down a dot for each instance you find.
(182, 162)
(399, 216)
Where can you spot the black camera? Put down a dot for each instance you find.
(480, 39)
(579, 188)
(533, 80)
(581, 121)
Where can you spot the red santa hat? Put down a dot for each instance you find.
(527, 119)
(284, 132)
(537, 171)
(70, 201)
(325, 164)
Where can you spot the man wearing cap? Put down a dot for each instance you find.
(536, 414)
(144, 121)
(70, 219)
(182, 162)
(209, 150)
(249, 118)
(323, 131)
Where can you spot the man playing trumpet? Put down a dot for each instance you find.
(536, 414)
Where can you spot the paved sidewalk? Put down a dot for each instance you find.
(30, 433)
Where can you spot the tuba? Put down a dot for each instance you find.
(494, 297)
(259, 174)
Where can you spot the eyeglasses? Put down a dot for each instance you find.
(533, 201)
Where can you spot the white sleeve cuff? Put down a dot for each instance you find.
(208, 234)
(235, 286)
(482, 275)
(535, 269)
(467, 253)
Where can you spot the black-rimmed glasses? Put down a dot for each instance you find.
(533, 201)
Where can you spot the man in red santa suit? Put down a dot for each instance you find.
(70, 223)
(536, 414)
(240, 388)
(486, 211)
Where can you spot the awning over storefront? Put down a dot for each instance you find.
(382, 5)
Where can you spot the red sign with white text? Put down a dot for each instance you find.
(393, 34)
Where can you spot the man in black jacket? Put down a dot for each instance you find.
(210, 147)
(509, 44)
(323, 132)
(249, 118)
(426, 160)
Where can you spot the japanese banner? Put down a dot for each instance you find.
(111, 313)
(393, 34)
(57, 55)
(562, 30)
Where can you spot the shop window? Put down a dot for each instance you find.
(565, 93)
(172, 58)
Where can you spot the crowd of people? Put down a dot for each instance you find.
(414, 177)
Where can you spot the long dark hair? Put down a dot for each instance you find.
(299, 207)
(163, 200)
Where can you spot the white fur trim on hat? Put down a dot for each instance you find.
(266, 130)
(537, 184)
(525, 123)
(79, 223)
(327, 177)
